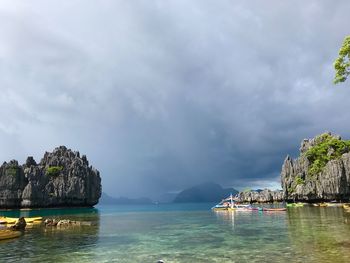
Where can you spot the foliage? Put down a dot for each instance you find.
(299, 180)
(327, 148)
(291, 189)
(54, 170)
(342, 62)
(12, 170)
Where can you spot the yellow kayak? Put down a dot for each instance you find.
(7, 220)
(12, 220)
(7, 234)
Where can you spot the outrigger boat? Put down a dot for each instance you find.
(225, 204)
(240, 207)
(228, 204)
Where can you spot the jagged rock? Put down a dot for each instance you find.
(332, 183)
(63, 223)
(264, 196)
(61, 178)
(12, 183)
(20, 224)
(30, 161)
(50, 222)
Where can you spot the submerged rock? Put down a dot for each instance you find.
(320, 173)
(62, 178)
(63, 223)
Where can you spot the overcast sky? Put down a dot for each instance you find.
(162, 95)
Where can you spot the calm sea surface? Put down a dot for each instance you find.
(184, 233)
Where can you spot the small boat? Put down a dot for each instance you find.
(12, 220)
(8, 234)
(219, 208)
(7, 220)
(240, 207)
(254, 208)
(295, 204)
(274, 209)
(333, 204)
(225, 204)
(346, 206)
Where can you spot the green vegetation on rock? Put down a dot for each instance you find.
(12, 170)
(299, 180)
(54, 170)
(342, 63)
(327, 148)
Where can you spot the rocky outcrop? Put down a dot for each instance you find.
(330, 181)
(263, 196)
(62, 178)
(65, 223)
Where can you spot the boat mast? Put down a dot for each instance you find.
(231, 200)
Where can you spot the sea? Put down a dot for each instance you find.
(183, 233)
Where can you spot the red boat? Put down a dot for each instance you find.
(274, 209)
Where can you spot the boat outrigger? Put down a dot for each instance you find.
(229, 204)
(225, 204)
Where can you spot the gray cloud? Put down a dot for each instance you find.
(165, 94)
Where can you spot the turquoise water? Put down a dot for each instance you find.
(184, 233)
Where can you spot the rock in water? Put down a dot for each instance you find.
(320, 173)
(62, 178)
(20, 224)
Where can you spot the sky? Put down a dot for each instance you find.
(162, 95)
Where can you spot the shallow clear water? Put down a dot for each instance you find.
(184, 233)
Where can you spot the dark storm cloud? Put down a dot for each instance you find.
(162, 95)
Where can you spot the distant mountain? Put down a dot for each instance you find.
(109, 200)
(166, 197)
(207, 192)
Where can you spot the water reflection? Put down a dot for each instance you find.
(41, 244)
(227, 217)
(319, 234)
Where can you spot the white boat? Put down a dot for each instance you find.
(240, 207)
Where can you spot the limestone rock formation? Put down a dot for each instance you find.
(320, 173)
(62, 178)
(264, 196)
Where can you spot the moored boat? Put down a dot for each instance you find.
(294, 204)
(8, 234)
(240, 207)
(274, 209)
(12, 220)
(334, 204)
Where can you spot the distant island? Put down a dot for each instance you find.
(206, 192)
(62, 178)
